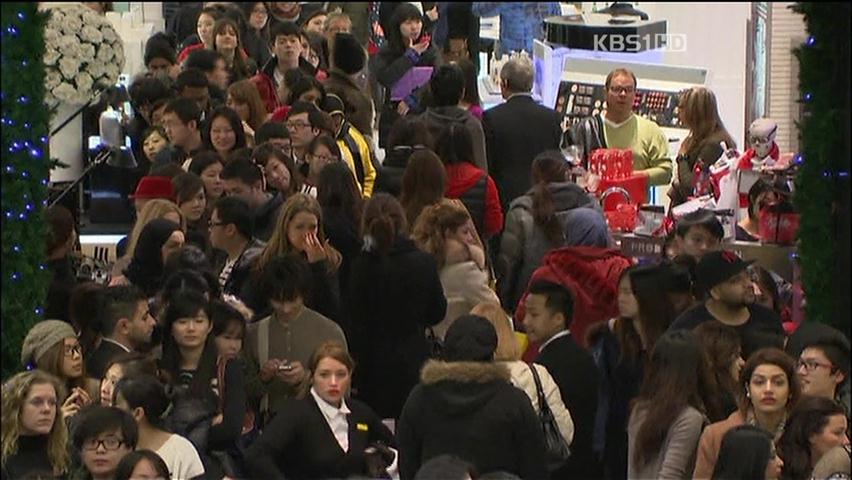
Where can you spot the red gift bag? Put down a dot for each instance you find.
(778, 224)
(611, 163)
(635, 184)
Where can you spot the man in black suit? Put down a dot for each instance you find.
(126, 325)
(549, 310)
(517, 130)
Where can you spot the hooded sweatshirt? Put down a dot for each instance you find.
(470, 409)
(438, 118)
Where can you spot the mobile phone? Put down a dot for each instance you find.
(287, 367)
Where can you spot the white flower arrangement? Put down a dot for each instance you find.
(83, 50)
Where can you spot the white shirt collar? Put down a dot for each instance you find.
(330, 412)
(105, 339)
(519, 94)
(560, 334)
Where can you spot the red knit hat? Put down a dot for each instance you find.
(151, 187)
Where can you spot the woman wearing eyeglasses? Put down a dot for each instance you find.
(103, 437)
(33, 437)
(322, 151)
(52, 346)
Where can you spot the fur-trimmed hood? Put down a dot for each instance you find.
(435, 371)
(463, 388)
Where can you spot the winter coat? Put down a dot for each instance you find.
(357, 105)
(389, 176)
(241, 270)
(389, 67)
(711, 442)
(439, 118)
(465, 283)
(470, 409)
(524, 243)
(478, 193)
(522, 378)
(392, 299)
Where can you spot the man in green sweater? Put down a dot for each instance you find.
(278, 348)
(624, 129)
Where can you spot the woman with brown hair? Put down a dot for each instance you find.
(535, 224)
(815, 426)
(244, 99)
(226, 40)
(621, 348)
(309, 439)
(191, 199)
(670, 410)
(446, 232)
(699, 113)
(424, 182)
(768, 390)
(278, 168)
(35, 439)
(52, 346)
(395, 295)
(300, 230)
(723, 352)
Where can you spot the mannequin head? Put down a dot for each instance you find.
(761, 136)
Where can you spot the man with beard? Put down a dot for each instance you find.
(729, 294)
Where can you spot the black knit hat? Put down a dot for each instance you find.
(347, 54)
(470, 338)
(717, 267)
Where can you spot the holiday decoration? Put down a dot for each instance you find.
(25, 166)
(822, 184)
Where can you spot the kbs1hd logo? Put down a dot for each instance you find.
(634, 42)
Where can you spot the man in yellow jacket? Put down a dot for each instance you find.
(354, 148)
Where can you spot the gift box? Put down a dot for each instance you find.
(635, 184)
(623, 218)
(611, 163)
(778, 224)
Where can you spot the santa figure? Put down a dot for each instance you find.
(763, 151)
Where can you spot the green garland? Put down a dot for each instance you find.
(823, 179)
(25, 170)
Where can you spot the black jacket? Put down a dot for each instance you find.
(470, 409)
(389, 176)
(515, 132)
(61, 285)
(393, 298)
(298, 443)
(242, 268)
(266, 217)
(30, 459)
(97, 361)
(574, 371)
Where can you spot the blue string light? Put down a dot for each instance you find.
(16, 276)
(808, 97)
(811, 41)
(21, 16)
(16, 248)
(39, 311)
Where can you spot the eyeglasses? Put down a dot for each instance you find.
(297, 125)
(619, 90)
(811, 365)
(108, 444)
(211, 224)
(322, 158)
(71, 350)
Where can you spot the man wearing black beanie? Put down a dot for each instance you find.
(348, 59)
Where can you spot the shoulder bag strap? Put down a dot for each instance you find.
(542, 402)
(263, 354)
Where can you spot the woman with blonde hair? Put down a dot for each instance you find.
(157, 208)
(698, 112)
(244, 99)
(300, 231)
(446, 231)
(508, 352)
(34, 437)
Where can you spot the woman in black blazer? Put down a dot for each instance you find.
(324, 434)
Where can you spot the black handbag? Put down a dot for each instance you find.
(556, 450)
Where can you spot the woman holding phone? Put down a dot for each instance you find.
(408, 46)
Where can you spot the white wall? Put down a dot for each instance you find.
(715, 39)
